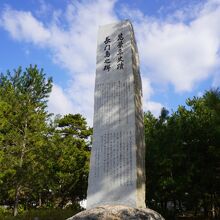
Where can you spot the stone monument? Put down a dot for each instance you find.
(117, 164)
(118, 154)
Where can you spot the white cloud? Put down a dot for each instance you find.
(44, 8)
(182, 54)
(59, 102)
(146, 88)
(153, 107)
(81, 93)
(216, 80)
(23, 26)
(71, 37)
(70, 100)
(177, 53)
(73, 40)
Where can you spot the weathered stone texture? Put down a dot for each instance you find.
(109, 212)
(117, 166)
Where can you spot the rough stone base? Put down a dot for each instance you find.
(117, 212)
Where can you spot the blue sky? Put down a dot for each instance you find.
(178, 42)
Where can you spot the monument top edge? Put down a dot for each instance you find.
(126, 21)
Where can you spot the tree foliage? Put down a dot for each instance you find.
(23, 97)
(183, 154)
(43, 161)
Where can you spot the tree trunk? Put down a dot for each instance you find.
(180, 206)
(39, 201)
(15, 210)
(17, 189)
(196, 210)
(213, 209)
(174, 204)
(205, 206)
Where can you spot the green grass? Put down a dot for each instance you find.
(42, 214)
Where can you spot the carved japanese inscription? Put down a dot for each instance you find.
(117, 164)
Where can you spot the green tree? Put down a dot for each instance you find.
(183, 157)
(204, 143)
(23, 98)
(71, 142)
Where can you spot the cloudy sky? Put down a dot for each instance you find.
(178, 42)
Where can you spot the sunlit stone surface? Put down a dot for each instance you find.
(117, 212)
(117, 173)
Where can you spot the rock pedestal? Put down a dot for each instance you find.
(109, 212)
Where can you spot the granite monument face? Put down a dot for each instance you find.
(117, 165)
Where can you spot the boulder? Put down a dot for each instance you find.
(117, 212)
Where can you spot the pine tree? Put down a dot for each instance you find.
(23, 101)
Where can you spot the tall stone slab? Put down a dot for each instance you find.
(117, 164)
